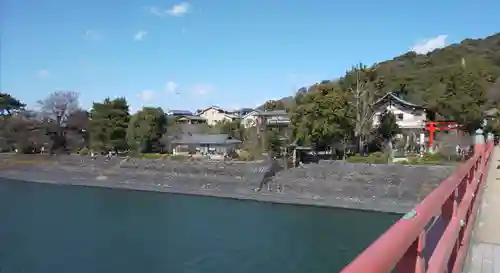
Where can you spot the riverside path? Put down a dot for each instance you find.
(484, 255)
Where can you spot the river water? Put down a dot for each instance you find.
(47, 228)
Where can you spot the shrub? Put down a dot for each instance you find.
(432, 157)
(134, 153)
(377, 154)
(153, 156)
(245, 156)
(84, 151)
(178, 157)
(374, 158)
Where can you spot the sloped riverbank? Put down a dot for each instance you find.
(387, 188)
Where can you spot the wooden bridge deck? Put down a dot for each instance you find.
(485, 248)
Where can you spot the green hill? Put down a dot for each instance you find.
(421, 76)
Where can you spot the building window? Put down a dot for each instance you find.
(399, 116)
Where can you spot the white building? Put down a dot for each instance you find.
(408, 115)
(270, 118)
(214, 114)
(240, 113)
(250, 119)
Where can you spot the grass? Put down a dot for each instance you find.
(21, 162)
(374, 158)
(412, 159)
(178, 157)
(153, 156)
(430, 159)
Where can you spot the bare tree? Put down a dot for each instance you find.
(363, 94)
(58, 106)
(56, 110)
(78, 120)
(78, 126)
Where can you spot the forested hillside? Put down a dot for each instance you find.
(459, 83)
(421, 77)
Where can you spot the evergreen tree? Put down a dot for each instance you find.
(108, 125)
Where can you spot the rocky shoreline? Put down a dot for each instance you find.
(387, 188)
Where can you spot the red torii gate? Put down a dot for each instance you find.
(433, 126)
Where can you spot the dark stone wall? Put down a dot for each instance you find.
(395, 183)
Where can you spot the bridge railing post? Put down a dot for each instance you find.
(413, 260)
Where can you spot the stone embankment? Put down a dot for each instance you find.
(390, 188)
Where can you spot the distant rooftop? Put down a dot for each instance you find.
(391, 97)
(191, 117)
(242, 110)
(217, 108)
(273, 113)
(179, 113)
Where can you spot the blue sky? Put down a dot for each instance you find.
(229, 53)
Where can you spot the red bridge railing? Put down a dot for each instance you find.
(434, 236)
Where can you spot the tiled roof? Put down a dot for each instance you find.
(491, 112)
(273, 113)
(191, 117)
(180, 112)
(242, 110)
(239, 113)
(219, 139)
(217, 108)
(392, 96)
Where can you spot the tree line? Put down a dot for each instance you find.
(340, 111)
(322, 116)
(458, 83)
(61, 125)
(336, 111)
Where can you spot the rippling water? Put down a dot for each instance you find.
(68, 229)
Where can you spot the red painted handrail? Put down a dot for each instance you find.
(454, 202)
